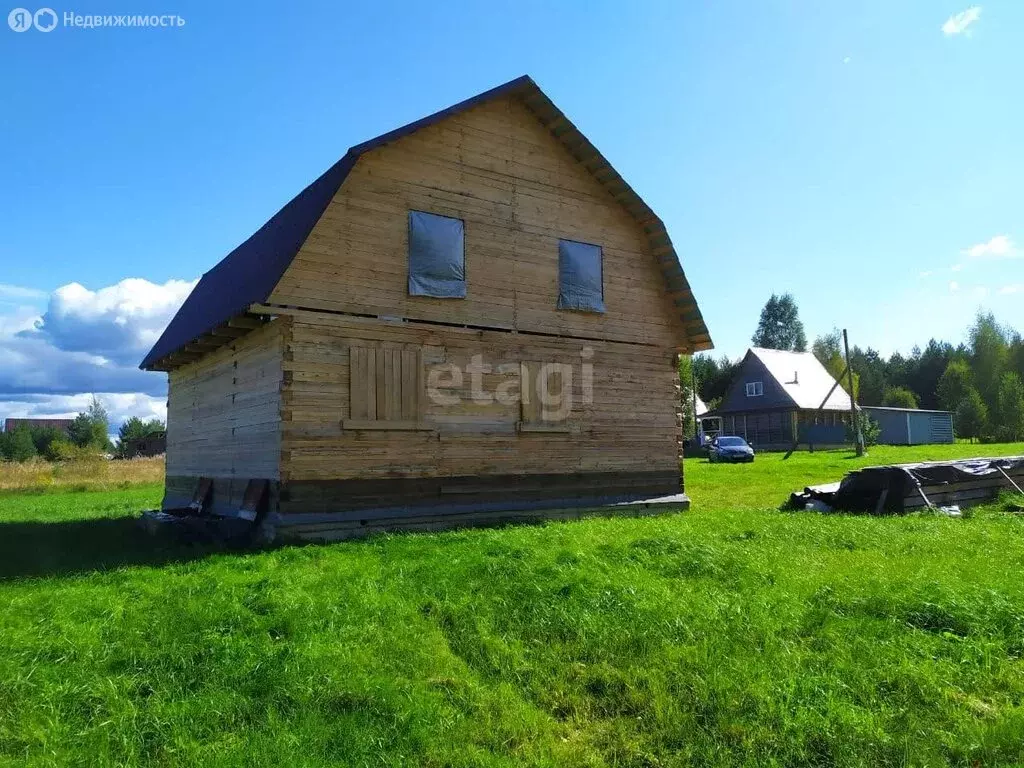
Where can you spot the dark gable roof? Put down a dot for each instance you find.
(249, 273)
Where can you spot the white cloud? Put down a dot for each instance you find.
(846, 60)
(999, 247)
(958, 23)
(8, 291)
(86, 341)
(956, 267)
(925, 273)
(21, 318)
(120, 322)
(120, 406)
(30, 364)
(954, 286)
(1008, 290)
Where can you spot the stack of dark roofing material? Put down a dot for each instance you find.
(902, 488)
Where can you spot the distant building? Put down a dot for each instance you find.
(62, 424)
(150, 445)
(775, 397)
(779, 398)
(911, 426)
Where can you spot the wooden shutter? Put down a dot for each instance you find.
(531, 409)
(363, 383)
(386, 388)
(413, 396)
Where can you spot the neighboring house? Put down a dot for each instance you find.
(775, 396)
(466, 319)
(154, 444)
(62, 424)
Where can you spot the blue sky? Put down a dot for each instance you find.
(867, 159)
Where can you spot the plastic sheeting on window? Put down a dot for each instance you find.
(437, 261)
(579, 276)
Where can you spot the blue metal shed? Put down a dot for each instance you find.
(909, 426)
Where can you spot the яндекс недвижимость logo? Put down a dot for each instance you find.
(46, 20)
(22, 19)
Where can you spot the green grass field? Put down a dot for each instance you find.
(732, 634)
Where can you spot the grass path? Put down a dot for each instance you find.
(735, 634)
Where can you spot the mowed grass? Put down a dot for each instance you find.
(732, 634)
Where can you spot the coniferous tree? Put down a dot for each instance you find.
(91, 428)
(17, 445)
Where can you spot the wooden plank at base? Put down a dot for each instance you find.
(348, 529)
(201, 495)
(255, 493)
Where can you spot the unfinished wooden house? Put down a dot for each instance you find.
(470, 318)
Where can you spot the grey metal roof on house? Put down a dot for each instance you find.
(901, 410)
(702, 407)
(249, 273)
(803, 378)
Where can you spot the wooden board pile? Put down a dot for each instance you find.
(903, 488)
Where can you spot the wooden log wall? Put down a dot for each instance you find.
(519, 191)
(628, 425)
(223, 411)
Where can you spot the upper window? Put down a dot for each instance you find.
(580, 276)
(755, 388)
(437, 256)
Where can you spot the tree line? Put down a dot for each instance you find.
(981, 379)
(88, 435)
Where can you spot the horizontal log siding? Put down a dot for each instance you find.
(631, 426)
(518, 191)
(223, 412)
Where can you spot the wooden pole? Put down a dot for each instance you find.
(853, 400)
(693, 390)
(835, 384)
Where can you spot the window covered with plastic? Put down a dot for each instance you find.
(580, 279)
(437, 256)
